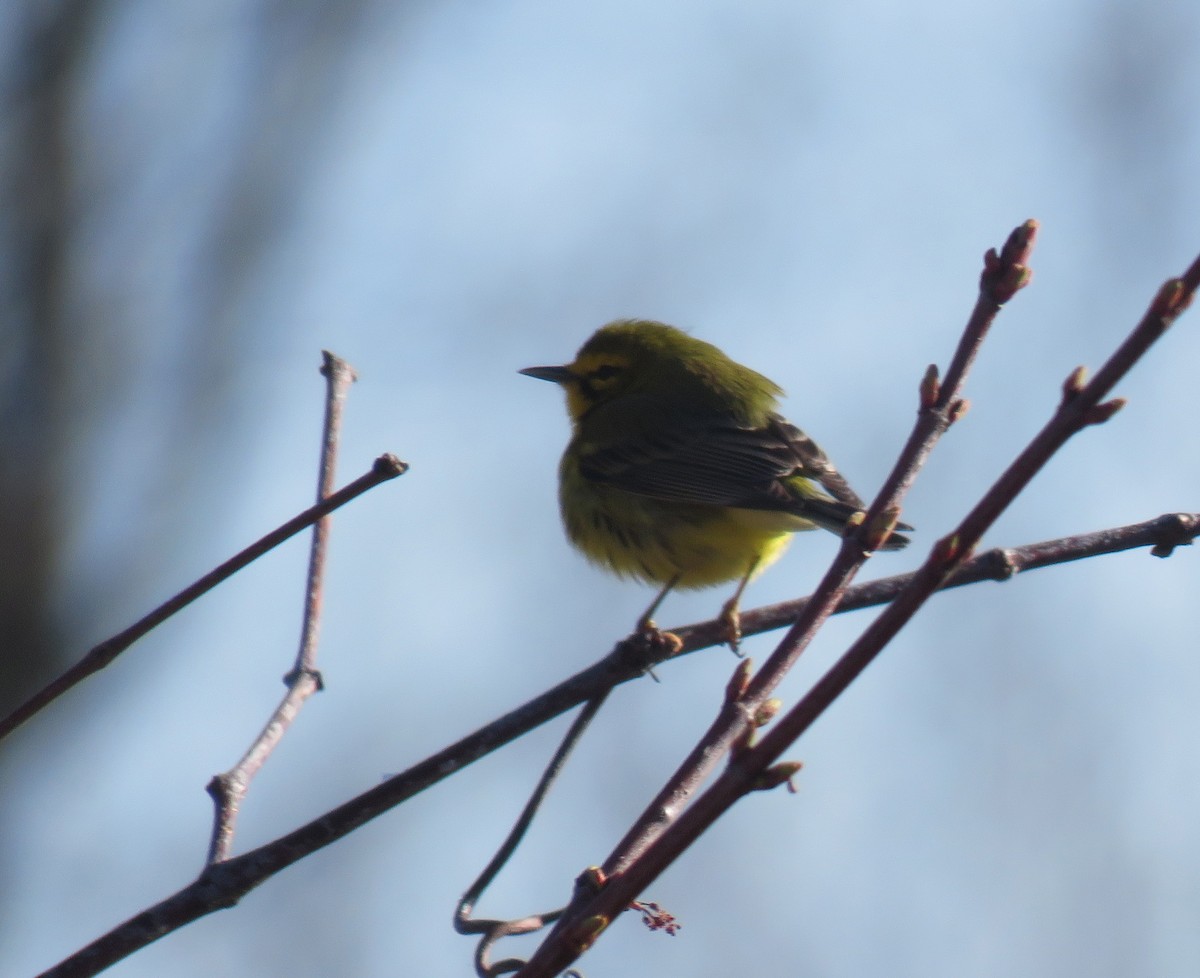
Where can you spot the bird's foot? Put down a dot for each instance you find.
(647, 645)
(731, 625)
(659, 643)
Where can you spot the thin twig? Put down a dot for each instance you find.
(1004, 274)
(385, 467)
(229, 789)
(1163, 534)
(494, 930)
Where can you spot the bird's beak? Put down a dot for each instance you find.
(556, 375)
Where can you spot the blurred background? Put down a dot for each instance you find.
(195, 199)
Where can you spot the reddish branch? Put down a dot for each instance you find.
(664, 832)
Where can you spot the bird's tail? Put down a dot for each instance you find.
(829, 514)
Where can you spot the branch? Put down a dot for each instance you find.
(494, 930)
(750, 768)
(223, 885)
(601, 898)
(229, 789)
(940, 406)
(1162, 534)
(385, 467)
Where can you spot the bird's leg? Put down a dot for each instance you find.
(731, 616)
(647, 630)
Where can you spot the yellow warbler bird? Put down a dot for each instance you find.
(680, 470)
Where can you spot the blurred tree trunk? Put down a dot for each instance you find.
(35, 233)
(82, 332)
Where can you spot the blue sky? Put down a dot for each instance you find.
(459, 191)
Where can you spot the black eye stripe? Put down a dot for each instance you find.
(606, 371)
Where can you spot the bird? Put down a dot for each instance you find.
(680, 470)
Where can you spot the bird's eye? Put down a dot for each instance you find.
(606, 371)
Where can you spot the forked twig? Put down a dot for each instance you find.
(228, 789)
(384, 468)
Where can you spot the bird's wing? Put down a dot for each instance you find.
(815, 464)
(715, 461)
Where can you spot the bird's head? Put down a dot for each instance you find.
(642, 356)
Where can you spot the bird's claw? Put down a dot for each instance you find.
(657, 642)
(731, 624)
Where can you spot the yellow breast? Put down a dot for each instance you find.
(656, 540)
